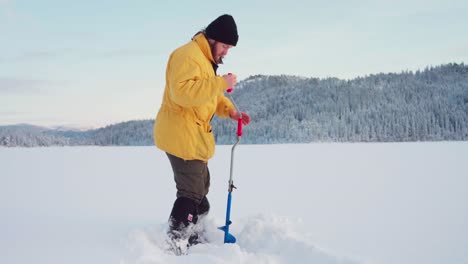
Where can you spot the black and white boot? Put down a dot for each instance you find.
(181, 233)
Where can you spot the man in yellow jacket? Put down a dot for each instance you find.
(193, 94)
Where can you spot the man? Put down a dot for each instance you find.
(193, 94)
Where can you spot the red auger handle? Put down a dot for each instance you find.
(229, 90)
(239, 127)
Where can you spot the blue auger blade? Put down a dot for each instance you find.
(228, 238)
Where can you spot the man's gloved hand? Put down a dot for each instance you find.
(231, 80)
(235, 116)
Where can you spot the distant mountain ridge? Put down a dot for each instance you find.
(426, 105)
(130, 133)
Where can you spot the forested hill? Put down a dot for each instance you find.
(410, 106)
(426, 105)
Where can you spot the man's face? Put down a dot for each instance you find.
(219, 50)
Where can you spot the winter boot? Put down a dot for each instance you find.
(204, 206)
(183, 216)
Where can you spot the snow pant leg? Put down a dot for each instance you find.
(192, 178)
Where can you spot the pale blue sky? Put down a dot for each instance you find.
(94, 63)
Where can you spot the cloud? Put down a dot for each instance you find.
(23, 86)
(6, 9)
(30, 56)
(8, 117)
(119, 53)
(129, 52)
(95, 55)
(9, 114)
(463, 50)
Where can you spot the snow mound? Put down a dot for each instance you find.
(260, 239)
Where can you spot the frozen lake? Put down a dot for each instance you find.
(322, 203)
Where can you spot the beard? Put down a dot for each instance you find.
(218, 60)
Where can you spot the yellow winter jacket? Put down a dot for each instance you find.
(193, 94)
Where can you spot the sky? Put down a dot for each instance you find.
(378, 203)
(93, 63)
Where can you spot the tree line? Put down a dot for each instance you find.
(426, 105)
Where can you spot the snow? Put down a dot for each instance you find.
(305, 203)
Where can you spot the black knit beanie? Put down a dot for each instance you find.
(223, 29)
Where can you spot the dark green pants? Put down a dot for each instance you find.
(192, 177)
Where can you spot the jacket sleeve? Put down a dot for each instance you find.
(187, 86)
(224, 107)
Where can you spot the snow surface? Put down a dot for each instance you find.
(306, 203)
